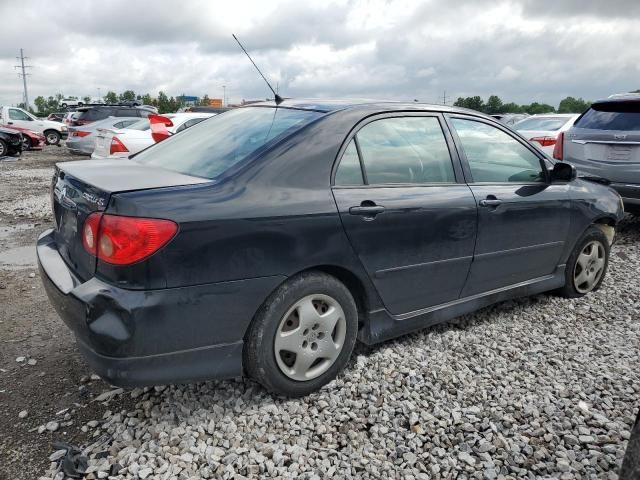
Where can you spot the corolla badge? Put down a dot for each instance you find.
(95, 199)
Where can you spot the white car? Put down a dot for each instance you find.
(122, 143)
(71, 102)
(542, 130)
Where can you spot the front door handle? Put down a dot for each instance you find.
(367, 209)
(490, 201)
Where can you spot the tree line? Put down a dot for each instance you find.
(164, 103)
(494, 104)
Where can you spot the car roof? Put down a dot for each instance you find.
(556, 115)
(620, 97)
(333, 105)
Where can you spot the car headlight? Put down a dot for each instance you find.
(63, 128)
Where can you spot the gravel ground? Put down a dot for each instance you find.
(541, 387)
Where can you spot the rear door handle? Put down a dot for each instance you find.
(367, 210)
(490, 202)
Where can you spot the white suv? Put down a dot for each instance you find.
(71, 102)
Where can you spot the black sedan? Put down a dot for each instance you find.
(266, 240)
(10, 142)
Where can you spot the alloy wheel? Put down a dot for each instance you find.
(310, 337)
(52, 138)
(3, 150)
(589, 266)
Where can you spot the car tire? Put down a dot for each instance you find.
(321, 342)
(26, 143)
(587, 264)
(630, 469)
(53, 137)
(64, 105)
(4, 148)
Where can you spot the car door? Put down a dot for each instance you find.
(406, 210)
(523, 218)
(18, 118)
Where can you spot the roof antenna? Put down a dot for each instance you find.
(277, 97)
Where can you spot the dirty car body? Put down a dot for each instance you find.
(10, 142)
(413, 252)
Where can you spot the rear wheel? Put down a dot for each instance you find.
(53, 137)
(302, 336)
(4, 150)
(587, 264)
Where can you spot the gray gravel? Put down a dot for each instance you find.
(542, 387)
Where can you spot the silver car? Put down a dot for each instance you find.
(605, 142)
(82, 138)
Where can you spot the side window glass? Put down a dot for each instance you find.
(349, 171)
(17, 115)
(495, 156)
(405, 150)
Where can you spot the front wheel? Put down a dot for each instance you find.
(587, 264)
(26, 143)
(4, 149)
(53, 137)
(302, 336)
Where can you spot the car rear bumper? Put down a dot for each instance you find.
(152, 337)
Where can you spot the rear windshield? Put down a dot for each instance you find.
(140, 125)
(541, 123)
(211, 147)
(96, 113)
(611, 116)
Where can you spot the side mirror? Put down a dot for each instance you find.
(563, 172)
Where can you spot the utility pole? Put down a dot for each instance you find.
(444, 97)
(224, 95)
(22, 66)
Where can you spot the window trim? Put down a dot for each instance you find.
(517, 137)
(456, 162)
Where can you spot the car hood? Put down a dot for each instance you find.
(9, 131)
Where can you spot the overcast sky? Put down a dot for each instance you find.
(521, 50)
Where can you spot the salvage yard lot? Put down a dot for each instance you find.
(538, 387)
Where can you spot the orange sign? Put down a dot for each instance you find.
(215, 102)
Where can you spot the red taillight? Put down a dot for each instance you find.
(544, 141)
(558, 151)
(80, 133)
(125, 240)
(117, 146)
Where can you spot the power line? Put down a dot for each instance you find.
(24, 74)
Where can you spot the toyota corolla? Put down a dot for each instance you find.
(267, 240)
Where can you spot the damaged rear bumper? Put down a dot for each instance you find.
(152, 337)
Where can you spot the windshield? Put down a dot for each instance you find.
(541, 123)
(611, 116)
(211, 147)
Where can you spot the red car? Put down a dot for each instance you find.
(30, 140)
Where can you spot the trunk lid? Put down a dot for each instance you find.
(612, 154)
(82, 187)
(103, 143)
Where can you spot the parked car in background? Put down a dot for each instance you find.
(10, 142)
(17, 117)
(605, 142)
(71, 102)
(266, 240)
(82, 139)
(543, 130)
(206, 109)
(30, 140)
(69, 117)
(56, 117)
(510, 118)
(95, 113)
(122, 143)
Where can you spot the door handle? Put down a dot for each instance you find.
(490, 201)
(10, 123)
(367, 209)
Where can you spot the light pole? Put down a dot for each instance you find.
(224, 95)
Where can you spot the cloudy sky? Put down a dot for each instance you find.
(521, 50)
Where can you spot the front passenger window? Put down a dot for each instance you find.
(495, 156)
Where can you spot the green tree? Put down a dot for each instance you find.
(512, 107)
(536, 108)
(111, 97)
(41, 104)
(127, 96)
(494, 104)
(86, 99)
(204, 101)
(163, 103)
(474, 103)
(573, 105)
(146, 99)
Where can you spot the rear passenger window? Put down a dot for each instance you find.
(405, 150)
(349, 171)
(495, 156)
